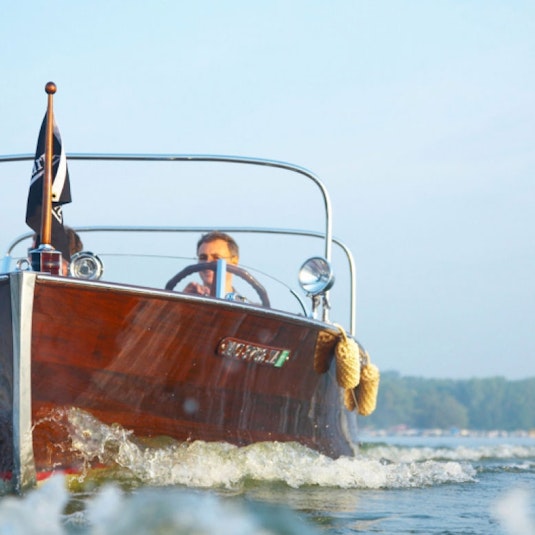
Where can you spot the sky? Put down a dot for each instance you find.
(418, 117)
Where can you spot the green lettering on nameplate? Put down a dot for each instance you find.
(283, 357)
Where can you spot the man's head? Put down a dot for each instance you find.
(214, 246)
(75, 246)
(75, 242)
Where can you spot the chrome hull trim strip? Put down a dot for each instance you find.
(22, 291)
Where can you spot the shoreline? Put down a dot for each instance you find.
(403, 431)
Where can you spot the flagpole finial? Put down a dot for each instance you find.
(50, 88)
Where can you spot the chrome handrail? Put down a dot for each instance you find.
(328, 237)
(207, 158)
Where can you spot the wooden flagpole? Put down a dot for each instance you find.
(46, 215)
(45, 258)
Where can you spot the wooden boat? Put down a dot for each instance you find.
(161, 362)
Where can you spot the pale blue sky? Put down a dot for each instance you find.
(417, 115)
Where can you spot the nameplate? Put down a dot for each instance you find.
(257, 353)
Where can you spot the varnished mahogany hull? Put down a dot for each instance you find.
(149, 361)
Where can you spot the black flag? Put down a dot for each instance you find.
(61, 190)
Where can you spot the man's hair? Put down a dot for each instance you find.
(233, 248)
(75, 243)
(74, 240)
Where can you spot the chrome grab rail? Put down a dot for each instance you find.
(328, 237)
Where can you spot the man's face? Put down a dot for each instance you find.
(212, 251)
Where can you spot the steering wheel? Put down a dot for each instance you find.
(212, 266)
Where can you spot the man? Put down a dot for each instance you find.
(210, 248)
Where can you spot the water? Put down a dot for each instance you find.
(447, 485)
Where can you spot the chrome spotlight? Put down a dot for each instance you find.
(316, 276)
(86, 265)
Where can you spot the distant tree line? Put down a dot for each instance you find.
(478, 404)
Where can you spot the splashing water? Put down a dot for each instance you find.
(512, 511)
(205, 465)
(276, 488)
(161, 511)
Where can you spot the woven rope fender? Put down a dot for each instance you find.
(323, 354)
(365, 395)
(350, 394)
(347, 361)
